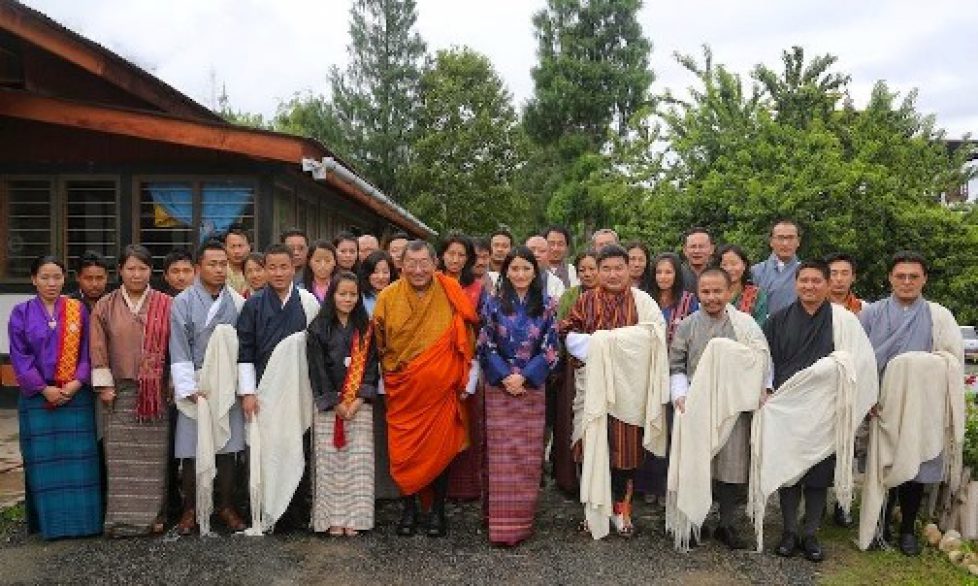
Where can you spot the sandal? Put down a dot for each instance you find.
(622, 520)
(350, 532)
(336, 531)
(583, 527)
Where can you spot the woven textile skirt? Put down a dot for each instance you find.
(465, 471)
(61, 472)
(136, 459)
(343, 481)
(514, 458)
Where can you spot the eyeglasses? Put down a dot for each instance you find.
(905, 277)
(418, 265)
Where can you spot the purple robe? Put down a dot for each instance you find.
(34, 346)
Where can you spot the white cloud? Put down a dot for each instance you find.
(264, 50)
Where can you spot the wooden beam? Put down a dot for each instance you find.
(150, 126)
(47, 34)
(219, 137)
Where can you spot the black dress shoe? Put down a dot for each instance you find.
(437, 522)
(909, 545)
(408, 524)
(787, 546)
(811, 549)
(841, 518)
(728, 537)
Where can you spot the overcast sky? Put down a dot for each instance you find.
(265, 50)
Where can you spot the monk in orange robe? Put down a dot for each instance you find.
(424, 329)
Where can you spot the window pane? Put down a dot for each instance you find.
(91, 219)
(225, 203)
(165, 217)
(29, 226)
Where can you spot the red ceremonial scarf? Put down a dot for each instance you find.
(69, 344)
(354, 378)
(748, 297)
(156, 339)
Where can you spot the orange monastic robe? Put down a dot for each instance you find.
(426, 345)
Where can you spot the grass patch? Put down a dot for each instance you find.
(849, 566)
(11, 517)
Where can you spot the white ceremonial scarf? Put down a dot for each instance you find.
(627, 377)
(813, 414)
(728, 381)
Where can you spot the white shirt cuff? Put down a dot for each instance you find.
(678, 386)
(247, 378)
(577, 345)
(102, 377)
(184, 381)
(769, 384)
(474, 373)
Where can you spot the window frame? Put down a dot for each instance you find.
(59, 219)
(196, 182)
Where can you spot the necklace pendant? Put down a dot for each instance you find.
(53, 324)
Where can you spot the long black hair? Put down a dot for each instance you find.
(733, 248)
(677, 285)
(507, 294)
(327, 313)
(466, 277)
(369, 265)
(647, 280)
(308, 278)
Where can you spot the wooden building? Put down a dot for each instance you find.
(96, 153)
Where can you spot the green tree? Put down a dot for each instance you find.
(863, 181)
(375, 97)
(469, 147)
(592, 77)
(312, 116)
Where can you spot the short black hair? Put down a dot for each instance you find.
(612, 251)
(210, 244)
(237, 230)
(177, 255)
(714, 270)
(480, 243)
(343, 236)
(278, 248)
(90, 258)
(697, 230)
(787, 221)
(395, 236)
(585, 254)
(292, 232)
(816, 264)
(46, 259)
(908, 256)
(502, 232)
(138, 252)
(841, 257)
(558, 229)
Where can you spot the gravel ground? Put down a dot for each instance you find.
(557, 554)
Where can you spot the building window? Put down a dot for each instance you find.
(91, 219)
(182, 214)
(29, 225)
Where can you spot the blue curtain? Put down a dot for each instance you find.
(221, 204)
(175, 199)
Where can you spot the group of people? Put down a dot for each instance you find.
(323, 375)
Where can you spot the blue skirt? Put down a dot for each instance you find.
(61, 474)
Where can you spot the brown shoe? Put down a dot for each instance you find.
(188, 522)
(231, 520)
